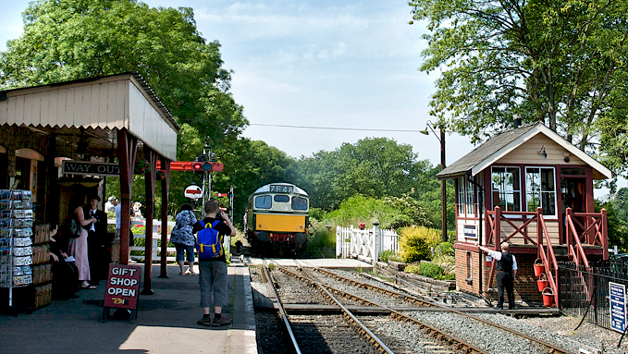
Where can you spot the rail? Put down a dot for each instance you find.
(282, 311)
(497, 216)
(424, 303)
(547, 257)
(594, 226)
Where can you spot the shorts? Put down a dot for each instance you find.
(189, 250)
(213, 283)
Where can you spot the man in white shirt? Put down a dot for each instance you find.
(97, 242)
(506, 273)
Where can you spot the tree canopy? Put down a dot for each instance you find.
(561, 62)
(374, 167)
(74, 39)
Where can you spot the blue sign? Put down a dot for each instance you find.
(617, 303)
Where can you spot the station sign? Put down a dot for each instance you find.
(617, 304)
(193, 192)
(123, 287)
(91, 168)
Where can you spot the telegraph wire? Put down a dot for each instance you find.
(337, 128)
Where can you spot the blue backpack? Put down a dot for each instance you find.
(208, 242)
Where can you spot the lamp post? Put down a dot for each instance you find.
(443, 185)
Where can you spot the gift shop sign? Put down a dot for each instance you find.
(123, 286)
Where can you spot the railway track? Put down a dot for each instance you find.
(326, 334)
(386, 333)
(435, 319)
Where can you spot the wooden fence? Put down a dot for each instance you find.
(365, 245)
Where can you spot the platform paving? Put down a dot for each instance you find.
(166, 321)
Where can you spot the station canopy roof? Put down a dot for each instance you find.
(92, 110)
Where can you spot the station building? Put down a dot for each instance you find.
(532, 188)
(67, 137)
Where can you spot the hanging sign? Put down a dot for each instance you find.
(617, 304)
(91, 168)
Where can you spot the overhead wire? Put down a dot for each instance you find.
(337, 128)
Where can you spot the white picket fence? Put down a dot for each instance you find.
(365, 245)
(156, 237)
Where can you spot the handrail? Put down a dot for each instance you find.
(578, 254)
(549, 259)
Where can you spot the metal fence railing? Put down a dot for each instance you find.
(575, 299)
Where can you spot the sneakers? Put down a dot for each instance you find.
(205, 321)
(216, 322)
(222, 321)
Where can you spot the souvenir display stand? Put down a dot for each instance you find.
(23, 254)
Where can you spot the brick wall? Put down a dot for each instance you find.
(525, 283)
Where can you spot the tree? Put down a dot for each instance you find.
(75, 39)
(559, 62)
(249, 164)
(374, 167)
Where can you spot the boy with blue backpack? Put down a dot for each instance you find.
(212, 262)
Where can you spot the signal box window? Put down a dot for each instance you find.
(540, 190)
(299, 203)
(264, 202)
(282, 198)
(506, 188)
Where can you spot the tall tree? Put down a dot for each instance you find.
(374, 167)
(74, 39)
(562, 62)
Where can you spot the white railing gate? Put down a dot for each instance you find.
(365, 244)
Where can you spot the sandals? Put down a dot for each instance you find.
(89, 287)
(182, 273)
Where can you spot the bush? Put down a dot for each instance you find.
(415, 243)
(444, 257)
(431, 270)
(388, 255)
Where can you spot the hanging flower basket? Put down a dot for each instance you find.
(141, 167)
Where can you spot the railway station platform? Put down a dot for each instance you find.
(166, 321)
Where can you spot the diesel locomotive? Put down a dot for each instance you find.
(276, 219)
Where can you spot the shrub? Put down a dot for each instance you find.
(412, 268)
(444, 257)
(431, 270)
(415, 243)
(387, 255)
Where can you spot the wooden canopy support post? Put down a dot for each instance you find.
(165, 189)
(52, 183)
(150, 177)
(127, 152)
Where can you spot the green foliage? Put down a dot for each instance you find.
(431, 270)
(412, 268)
(559, 62)
(415, 243)
(409, 211)
(617, 215)
(322, 243)
(373, 167)
(387, 255)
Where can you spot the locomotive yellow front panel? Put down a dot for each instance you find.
(280, 223)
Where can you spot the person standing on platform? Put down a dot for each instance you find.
(506, 273)
(183, 238)
(213, 272)
(110, 204)
(97, 242)
(78, 246)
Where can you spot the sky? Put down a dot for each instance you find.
(318, 63)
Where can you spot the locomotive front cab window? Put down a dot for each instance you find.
(299, 203)
(282, 198)
(264, 202)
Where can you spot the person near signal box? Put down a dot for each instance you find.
(506, 273)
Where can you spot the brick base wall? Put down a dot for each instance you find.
(526, 288)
